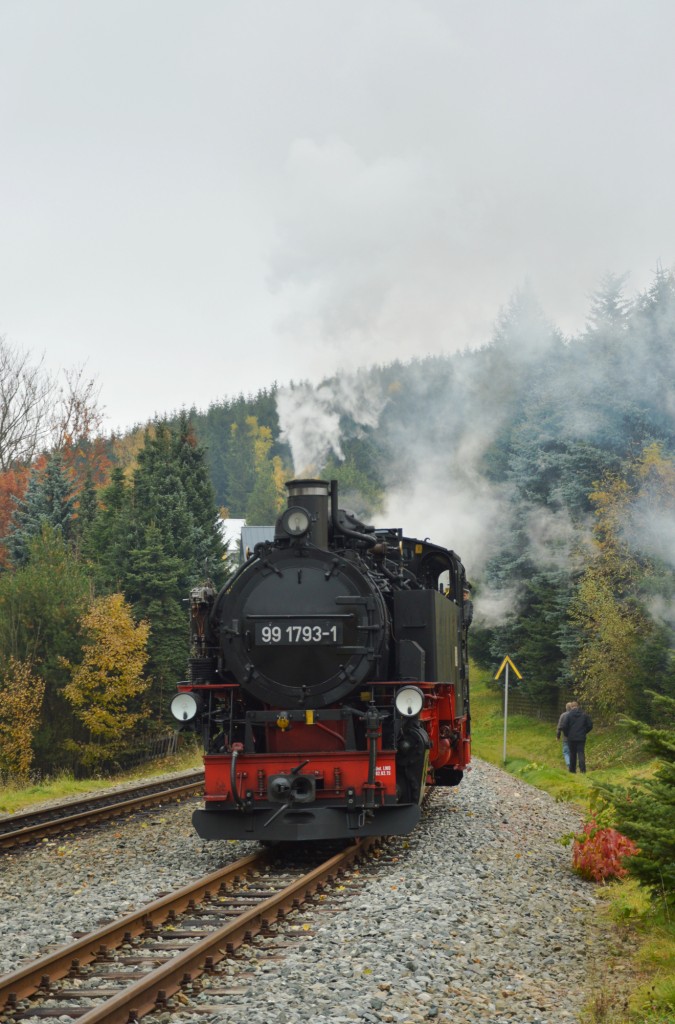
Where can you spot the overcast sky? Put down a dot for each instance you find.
(199, 198)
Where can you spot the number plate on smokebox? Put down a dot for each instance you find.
(308, 632)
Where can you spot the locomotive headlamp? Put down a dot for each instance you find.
(295, 521)
(185, 706)
(409, 701)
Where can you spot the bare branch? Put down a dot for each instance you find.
(25, 394)
(76, 416)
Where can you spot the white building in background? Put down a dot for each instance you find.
(231, 533)
(241, 539)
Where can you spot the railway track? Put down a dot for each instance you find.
(30, 826)
(132, 966)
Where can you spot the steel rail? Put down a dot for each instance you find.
(143, 996)
(29, 833)
(156, 986)
(26, 980)
(95, 798)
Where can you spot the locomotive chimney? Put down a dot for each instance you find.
(312, 495)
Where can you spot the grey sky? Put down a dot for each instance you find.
(202, 198)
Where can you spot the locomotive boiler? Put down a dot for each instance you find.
(329, 679)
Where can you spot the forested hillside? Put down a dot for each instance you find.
(103, 542)
(547, 462)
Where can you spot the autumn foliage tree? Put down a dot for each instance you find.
(13, 484)
(105, 688)
(624, 648)
(266, 499)
(21, 697)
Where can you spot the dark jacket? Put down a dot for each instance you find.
(577, 725)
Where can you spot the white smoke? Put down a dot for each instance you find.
(651, 531)
(311, 418)
(448, 498)
(440, 462)
(555, 541)
(662, 610)
(494, 607)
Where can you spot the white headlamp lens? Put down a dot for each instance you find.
(409, 701)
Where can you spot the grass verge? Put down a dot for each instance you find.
(642, 957)
(62, 787)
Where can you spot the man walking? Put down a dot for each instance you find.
(576, 727)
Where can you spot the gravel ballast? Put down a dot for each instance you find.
(476, 917)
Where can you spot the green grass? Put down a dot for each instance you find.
(613, 754)
(644, 950)
(64, 786)
(645, 994)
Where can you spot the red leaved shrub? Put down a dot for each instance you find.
(599, 853)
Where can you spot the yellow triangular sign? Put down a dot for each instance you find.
(507, 661)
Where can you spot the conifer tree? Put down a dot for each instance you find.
(209, 550)
(646, 812)
(172, 492)
(154, 538)
(610, 309)
(87, 506)
(48, 502)
(153, 585)
(240, 465)
(107, 540)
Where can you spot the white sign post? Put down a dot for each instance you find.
(505, 665)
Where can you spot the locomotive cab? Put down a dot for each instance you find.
(329, 679)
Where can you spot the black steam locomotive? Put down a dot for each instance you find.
(329, 678)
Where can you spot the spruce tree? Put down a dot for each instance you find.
(154, 539)
(163, 538)
(191, 459)
(87, 506)
(48, 502)
(172, 492)
(646, 812)
(153, 585)
(239, 464)
(109, 537)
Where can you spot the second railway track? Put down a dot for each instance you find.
(133, 965)
(30, 826)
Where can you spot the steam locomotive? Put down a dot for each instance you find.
(329, 679)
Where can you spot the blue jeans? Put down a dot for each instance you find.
(566, 752)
